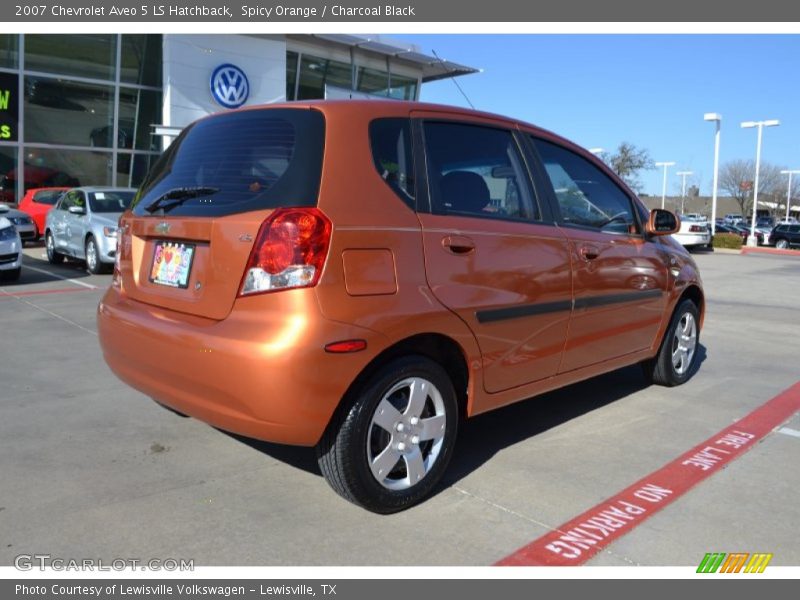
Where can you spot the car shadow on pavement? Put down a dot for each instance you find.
(481, 437)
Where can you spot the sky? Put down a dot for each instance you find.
(650, 90)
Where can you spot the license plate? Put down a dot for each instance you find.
(172, 263)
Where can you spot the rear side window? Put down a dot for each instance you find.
(390, 140)
(47, 197)
(477, 171)
(238, 162)
(586, 196)
(794, 229)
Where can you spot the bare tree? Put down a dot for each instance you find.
(737, 177)
(627, 161)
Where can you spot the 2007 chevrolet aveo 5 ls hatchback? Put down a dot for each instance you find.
(358, 276)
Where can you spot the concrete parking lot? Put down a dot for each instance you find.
(92, 468)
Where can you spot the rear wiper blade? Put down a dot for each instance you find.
(177, 196)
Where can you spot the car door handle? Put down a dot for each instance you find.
(458, 244)
(589, 252)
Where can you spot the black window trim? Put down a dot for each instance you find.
(415, 202)
(553, 199)
(425, 202)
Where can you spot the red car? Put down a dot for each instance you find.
(37, 203)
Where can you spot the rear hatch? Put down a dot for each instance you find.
(185, 244)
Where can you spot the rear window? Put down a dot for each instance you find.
(47, 197)
(238, 162)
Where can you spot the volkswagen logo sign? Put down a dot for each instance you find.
(229, 86)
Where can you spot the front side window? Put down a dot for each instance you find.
(586, 196)
(390, 140)
(47, 197)
(71, 199)
(477, 171)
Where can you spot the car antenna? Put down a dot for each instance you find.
(463, 93)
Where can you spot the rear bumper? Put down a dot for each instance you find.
(693, 239)
(262, 372)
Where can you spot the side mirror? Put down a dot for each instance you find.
(77, 210)
(662, 222)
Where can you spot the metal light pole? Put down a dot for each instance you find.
(683, 175)
(751, 240)
(716, 118)
(789, 190)
(666, 165)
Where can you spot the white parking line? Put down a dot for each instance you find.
(789, 431)
(50, 312)
(75, 281)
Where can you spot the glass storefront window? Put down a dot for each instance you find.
(93, 56)
(68, 112)
(50, 167)
(141, 60)
(372, 81)
(316, 73)
(132, 168)
(291, 74)
(8, 174)
(9, 51)
(138, 109)
(403, 88)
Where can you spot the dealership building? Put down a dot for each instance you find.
(98, 109)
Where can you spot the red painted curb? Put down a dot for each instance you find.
(7, 294)
(579, 539)
(787, 252)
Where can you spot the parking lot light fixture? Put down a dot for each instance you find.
(683, 175)
(717, 119)
(789, 172)
(751, 240)
(666, 165)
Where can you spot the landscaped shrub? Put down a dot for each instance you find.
(728, 240)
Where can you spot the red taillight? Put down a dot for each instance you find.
(289, 252)
(697, 229)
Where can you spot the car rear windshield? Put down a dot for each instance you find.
(110, 201)
(238, 162)
(47, 197)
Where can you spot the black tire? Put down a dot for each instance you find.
(53, 257)
(661, 370)
(344, 450)
(93, 263)
(11, 274)
(782, 244)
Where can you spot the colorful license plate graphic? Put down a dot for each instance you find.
(172, 263)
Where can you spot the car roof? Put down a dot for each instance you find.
(399, 108)
(96, 188)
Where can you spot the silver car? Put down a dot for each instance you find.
(20, 220)
(83, 225)
(10, 250)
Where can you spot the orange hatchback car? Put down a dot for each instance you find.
(358, 276)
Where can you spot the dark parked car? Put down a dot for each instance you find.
(785, 236)
(744, 231)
